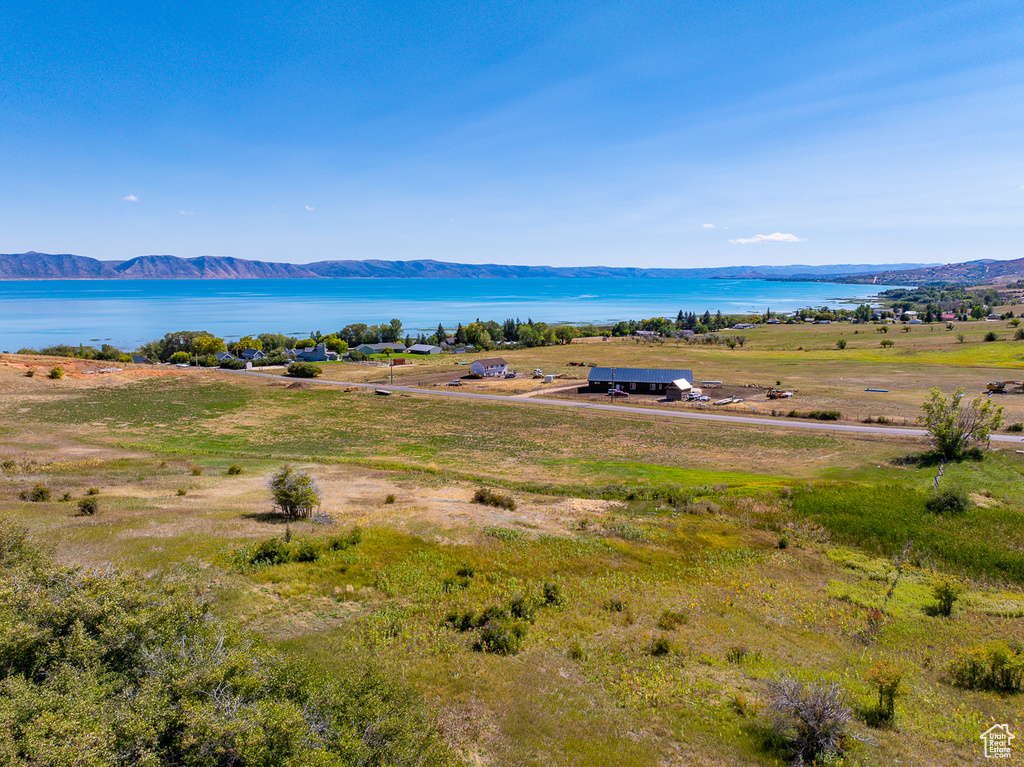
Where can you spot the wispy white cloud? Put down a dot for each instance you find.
(130, 198)
(310, 207)
(187, 212)
(707, 226)
(759, 238)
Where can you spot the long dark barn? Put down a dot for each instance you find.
(639, 380)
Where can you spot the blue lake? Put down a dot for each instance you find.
(127, 313)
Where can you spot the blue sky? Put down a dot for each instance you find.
(643, 133)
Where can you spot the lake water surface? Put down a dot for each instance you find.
(128, 313)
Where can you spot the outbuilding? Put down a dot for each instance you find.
(424, 349)
(639, 380)
(678, 389)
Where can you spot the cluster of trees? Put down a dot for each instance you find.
(104, 668)
(105, 352)
(933, 300)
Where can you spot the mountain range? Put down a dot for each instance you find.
(66, 266)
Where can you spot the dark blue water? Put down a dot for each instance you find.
(127, 313)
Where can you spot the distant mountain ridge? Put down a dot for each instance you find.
(986, 271)
(66, 266)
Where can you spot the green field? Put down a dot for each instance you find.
(664, 571)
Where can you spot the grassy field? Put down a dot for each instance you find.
(664, 572)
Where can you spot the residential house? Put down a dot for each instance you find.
(639, 380)
(251, 354)
(224, 356)
(139, 359)
(316, 353)
(489, 368)
(380, 348)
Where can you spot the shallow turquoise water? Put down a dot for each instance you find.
(127, 313)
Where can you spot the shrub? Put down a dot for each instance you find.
(614, 605)
(342, 542)
(945, 594)
(841, 343)
(991, 336)
(1019, 335)
(294, 492)
(306, 550)
(233, 470)
(886, 680)
(273, 551)
(465, 571)
(490, 498)
(38, 494)
(182, 491)
(576, 652)
(783, 542)
(825, 415)
(994, 667)
(180, 358)
(1015, 427)
(389, 499)
(501, 636)
(30, 373)
(812, 719)
(660, 646)
(88, 507)
(197, 471)
(521, 608)
(93, 491)
(552, 596)
(56, 372)
(304, 370)
(887, 342)
(951, 500)
(737, 653)
(670, 620)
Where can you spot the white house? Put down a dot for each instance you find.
(489, 368)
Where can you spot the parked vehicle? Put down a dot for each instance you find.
(456, 382)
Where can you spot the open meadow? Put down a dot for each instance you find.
(636, 583)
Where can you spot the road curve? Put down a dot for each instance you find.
(651, 412)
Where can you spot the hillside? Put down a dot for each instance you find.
(983, 272)
(46, 266)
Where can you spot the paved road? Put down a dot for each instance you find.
(650, 412)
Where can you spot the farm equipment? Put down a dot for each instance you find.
(774, 393)
(999, 387)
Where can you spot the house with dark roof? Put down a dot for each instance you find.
(639, 380)
(251, 354)
(380, 348)
(318, 353)
(489, 368)
(139, 359)
(222, 356)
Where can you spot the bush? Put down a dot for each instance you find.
(197, 471)
(991, 336)
(660, 646)
(886, 680)
(179, 358)
(1015, 428)
(552, 596)
(521, 608)
(825, 415)
(294, 492)
(614, 605)
(953, 425)
(887, 342)
(389, 499)
(945, 594)
(841, 343)
(233, 470)
(952, 500)
(38, 494)
(306, 550)
(812, 719)
(93, 491)
(490, 498)
(304, 370)
(273, 551)
(670, 620)
(995, 667)
(88, 507)
(56, 372)
(501, 636)
(737, 653)
(30, 373)
(182, 491)
(107, 668)
(1019, 335)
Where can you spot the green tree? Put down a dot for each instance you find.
(392, 332)
(335, 344)
(954, 426)
(179, 357)
(295, 493)
(565, 334)
(204, 345)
